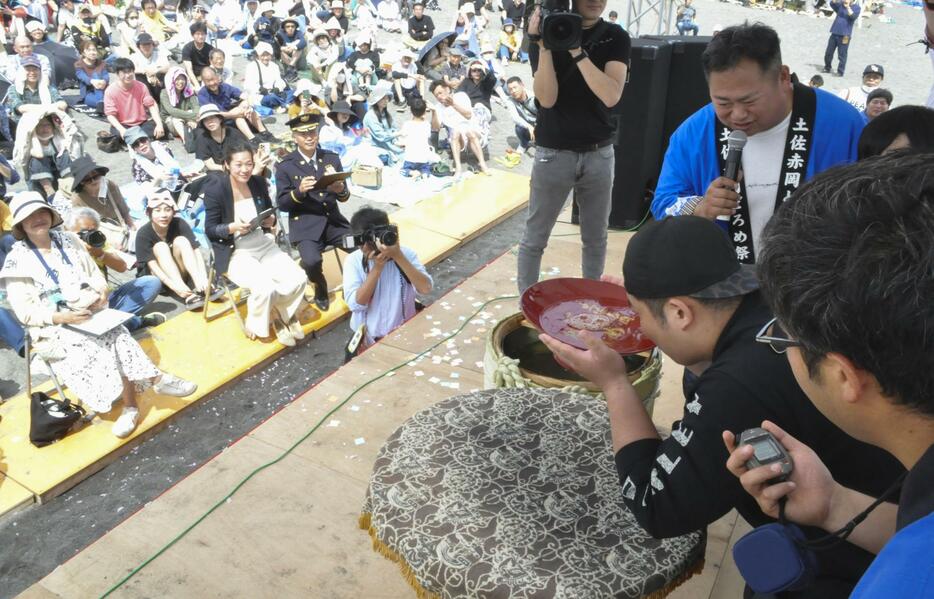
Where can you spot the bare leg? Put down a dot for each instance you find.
(191, 262)
(129, 394)
(474, 142)
(179, 126)
(456, 151)
(244, 127)
(169, 268)
(256, 122)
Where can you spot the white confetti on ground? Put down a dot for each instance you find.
(359, 441)
(434, 380)
(354, 408)
(334, 423)
(418, 373)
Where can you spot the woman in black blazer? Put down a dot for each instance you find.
(234, 204)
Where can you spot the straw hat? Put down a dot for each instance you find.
(263, 48)
(266, 6)
(333, 23)
(207, 110)
(25, 203)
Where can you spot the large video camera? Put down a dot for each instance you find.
(93, 237)
(386, 235)
(560, 28)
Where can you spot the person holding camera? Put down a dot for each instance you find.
(575, 90)
(703, 309)
(315, 221)
(856, 241)
(381, 278)
(132, 296)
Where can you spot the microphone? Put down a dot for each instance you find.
(734, 159)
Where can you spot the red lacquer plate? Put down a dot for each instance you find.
(563, 307)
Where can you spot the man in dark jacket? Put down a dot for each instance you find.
(841, 34)
(704, 310)
(315, 221)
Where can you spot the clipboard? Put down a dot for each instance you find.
(326, 180)
(101, 322)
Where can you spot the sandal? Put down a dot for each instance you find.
(195, 301)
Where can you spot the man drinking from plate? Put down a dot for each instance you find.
(703, 309)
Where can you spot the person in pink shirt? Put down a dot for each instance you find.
(127, 103)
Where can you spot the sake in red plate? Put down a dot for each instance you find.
(564, 307)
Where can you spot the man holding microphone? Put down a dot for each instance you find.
(793, 132)
(575, 91)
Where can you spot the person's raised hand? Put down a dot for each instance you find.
(720, 199)
(809, 492)
(336, 187)
(535, 21)
(306, 184)
(158, 132)
(598, 363)
(391, 251)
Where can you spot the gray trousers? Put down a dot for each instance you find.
(554, 174)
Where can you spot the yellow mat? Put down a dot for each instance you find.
(13, 495)
(213, 354)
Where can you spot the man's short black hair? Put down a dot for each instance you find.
(514, 79)
(916, 122)
(418, 107)
(756, 42)
(880, 93)
(436, 84)
(366, 218)
(848, 267)
(123, 64)
(817, 81)
(145, 2)
(613, 14)
(198, 26)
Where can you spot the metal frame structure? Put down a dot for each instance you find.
(655, 16)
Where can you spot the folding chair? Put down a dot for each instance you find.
(232, 302)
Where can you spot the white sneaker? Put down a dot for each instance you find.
(126, 423)
(295, 327)
(172, 385)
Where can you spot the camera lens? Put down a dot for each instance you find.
(389, 237)
(94, 238)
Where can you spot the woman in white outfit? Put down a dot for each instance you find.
(247, 253)
(51, 282)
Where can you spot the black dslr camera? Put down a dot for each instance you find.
(560, 28)
(93, 237)
(386, 235)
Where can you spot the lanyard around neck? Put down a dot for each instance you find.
(52, 274)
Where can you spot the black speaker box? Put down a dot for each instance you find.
(639, 120)
(687, 86)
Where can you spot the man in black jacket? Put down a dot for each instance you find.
(703, 309)
(421, 27)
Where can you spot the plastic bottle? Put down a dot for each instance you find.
(171, 182)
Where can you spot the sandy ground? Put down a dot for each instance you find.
(34, 541)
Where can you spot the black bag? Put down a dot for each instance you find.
(108, 142)
(51, 419)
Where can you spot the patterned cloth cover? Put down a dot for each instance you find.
(514, 493)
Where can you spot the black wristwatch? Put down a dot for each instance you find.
(534, 38)
(581, 56)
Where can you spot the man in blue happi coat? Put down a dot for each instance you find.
(794, 132)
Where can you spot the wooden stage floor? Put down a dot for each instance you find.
(291, 530)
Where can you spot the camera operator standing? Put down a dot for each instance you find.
(575, 90)
(381, 278)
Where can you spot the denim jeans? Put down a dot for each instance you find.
(525, 137)
(835, 43)
(504, 52)
(554, 175)
(685, 26)
(277, 98)
(134, 296)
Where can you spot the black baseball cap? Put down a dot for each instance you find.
(685, 255)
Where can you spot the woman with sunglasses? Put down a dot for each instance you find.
(238, 214)
(92, 189)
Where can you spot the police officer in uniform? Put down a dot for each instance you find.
(315, 221)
